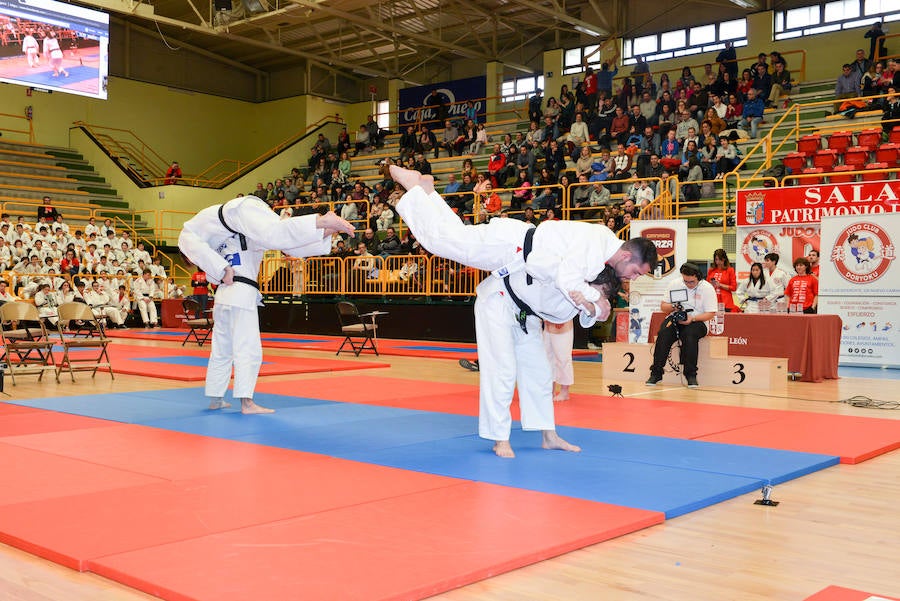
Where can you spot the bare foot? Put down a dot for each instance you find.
(553, 441)
(427, 183)
(503, 449)
(248, 407)
(219, 404)
(407, 178)
(562, 395)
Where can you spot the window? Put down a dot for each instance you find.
(684, 42)
(833, 16)
(574, 59)
(382, 110)
(514, 90)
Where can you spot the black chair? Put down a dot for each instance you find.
(198, 320)
(354, 328)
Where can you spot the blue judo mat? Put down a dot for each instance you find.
(44, 76)
(673, 476)
(445, 349)
(190, 360)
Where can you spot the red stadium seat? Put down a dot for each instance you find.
(811, 181)
(809, 144)
(888, 153)
(895, 135)
(826, 159)
(795, 162)
(840, 140)
(842, 178)
(869, 138)
(856, 156)
(874, 177)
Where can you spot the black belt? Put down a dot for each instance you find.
(524, 309)
(241, 238)
(248, 281)
(526, 250)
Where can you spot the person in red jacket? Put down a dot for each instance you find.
(173, 173)
(721, 275)
(201, 288)
(803, 289)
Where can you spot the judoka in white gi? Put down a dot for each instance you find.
(228, 242)
(566, 256)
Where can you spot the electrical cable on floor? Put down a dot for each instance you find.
(869, 403)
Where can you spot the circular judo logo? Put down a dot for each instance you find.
(757, 244)
(862, 253)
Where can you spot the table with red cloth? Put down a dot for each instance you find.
(811, 343)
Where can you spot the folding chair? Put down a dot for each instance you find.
(80, 312)
(353, 326)
(27, 347)
(198, 320)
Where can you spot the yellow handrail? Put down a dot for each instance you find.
(10, 123)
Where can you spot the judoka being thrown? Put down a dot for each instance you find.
(228, 241)
(549, 272)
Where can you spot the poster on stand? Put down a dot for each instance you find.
(646, 292)
(870, 334)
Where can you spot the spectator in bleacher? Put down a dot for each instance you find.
(618, 128)
(726, 157)
(860, 65)
(260, 190)
(450, 139)
(762, 83)
(847, 85)
(698, 101)
(714, 120)
(578, 133)
(468, 134)
(363, 140)
(781, 83)
(391, 244)
(671, 152)
(690, 191)
(876, 45)
(728, 59)
(46, 213)
(522, 194)
(525, 159)
(421, 164)
(408, 141)
(685, 123)
(584, 162)
(173, 173)
(70, 263)
(647, 107)
(481, 140)
(370, 241)
(552, 109)
(752, 113)
(709, 156)
(890, 118)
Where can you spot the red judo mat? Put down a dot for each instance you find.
(183, 516)
(838, 593)
(853, 439)
(309, 342)
(189, 365)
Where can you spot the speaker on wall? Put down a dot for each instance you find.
(222, 5)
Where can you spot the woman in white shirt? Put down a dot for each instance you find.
(754, 289)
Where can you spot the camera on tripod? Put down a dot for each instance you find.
(677, 298)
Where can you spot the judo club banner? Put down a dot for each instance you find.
(786, 220)
(859, 280)
(454, 94)
(647, 291)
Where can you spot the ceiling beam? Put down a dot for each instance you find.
(559, 15)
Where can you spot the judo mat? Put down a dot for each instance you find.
(305, 342)
(838, 593)
(189, 365)
(342, 493)
(183, 516)
(853, 439)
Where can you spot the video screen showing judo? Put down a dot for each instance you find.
(54, 46)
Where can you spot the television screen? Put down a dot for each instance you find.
(54, 46)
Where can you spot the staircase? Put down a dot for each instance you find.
(29, 172)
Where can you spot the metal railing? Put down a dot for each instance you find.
(13, 124)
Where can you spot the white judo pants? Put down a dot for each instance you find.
(147, 309)
(110, 313)
(558, 342)
(235, 343)
(488, 246)
(508, 356)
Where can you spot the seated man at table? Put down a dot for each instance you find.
(686, 321)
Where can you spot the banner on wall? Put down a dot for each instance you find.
(647, 291)
(859, 280)
(454, 93)
(789, 242)
(786, 220)
(809, 204)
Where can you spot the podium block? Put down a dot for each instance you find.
(631, 362)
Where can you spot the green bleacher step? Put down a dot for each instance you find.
(66, 154)
(83, 177)
(75, 166)
(93, 190)
(110, 203)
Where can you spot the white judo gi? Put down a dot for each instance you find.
(212, 247)
(565, 256)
